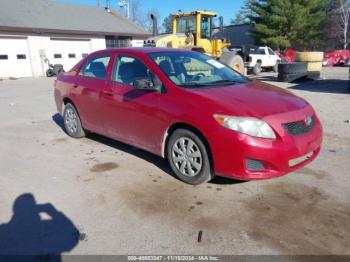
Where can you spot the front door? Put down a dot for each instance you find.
(131, 115)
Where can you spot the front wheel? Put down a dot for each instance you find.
(188, 157)
(72, 123)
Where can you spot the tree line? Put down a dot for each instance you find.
(280, 24)
(299, 24)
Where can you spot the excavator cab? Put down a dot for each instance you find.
(198, 27)
(195, 31)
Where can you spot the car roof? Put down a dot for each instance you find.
(138, 50)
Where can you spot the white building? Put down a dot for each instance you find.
(32, 30)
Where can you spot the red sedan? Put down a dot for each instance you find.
(202, 116)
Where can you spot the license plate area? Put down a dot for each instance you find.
(299, 160)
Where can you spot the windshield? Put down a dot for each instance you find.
(185, 24)
(193, 69)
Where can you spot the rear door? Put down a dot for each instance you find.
(87, 91)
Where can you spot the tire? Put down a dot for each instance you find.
(49, 73)
(193, 174)
(257, 68)
(233, 60)
(72, 122)
(314, 66)
(308, 57)
(292, 68)
(290, 77)
(315, 75)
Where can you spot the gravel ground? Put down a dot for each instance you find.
(117, 199)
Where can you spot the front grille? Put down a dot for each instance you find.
(299, 127)
(254, 165)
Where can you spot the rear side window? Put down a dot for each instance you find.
(271, 52)
(4, 57)
(96, 67)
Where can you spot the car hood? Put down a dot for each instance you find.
(251, 99)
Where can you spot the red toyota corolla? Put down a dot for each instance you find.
(202, 116)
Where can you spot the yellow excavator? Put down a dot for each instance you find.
(195, 31)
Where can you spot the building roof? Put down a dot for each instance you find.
(45, 16)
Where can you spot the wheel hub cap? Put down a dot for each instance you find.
(187, 157)
(71, 121)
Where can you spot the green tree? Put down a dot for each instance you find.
(168, 24)
(245, 13)
(284, 23)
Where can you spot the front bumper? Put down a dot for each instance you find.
(279, 156)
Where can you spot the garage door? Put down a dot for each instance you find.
(68, 52)
(14, 58)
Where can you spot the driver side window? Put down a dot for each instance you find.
(127, 69)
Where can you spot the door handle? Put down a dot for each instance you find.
(75, 85)
(108, 93)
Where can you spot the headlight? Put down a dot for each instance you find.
(246, 125)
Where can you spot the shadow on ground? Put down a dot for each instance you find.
(323, 86)
(36, 232)
(149, 157)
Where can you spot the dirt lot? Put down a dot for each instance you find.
(123, 200)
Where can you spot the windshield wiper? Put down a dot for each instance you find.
(224, 81)
(192, 84)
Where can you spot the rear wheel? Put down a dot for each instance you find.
(188, 157)
(72, 122)
(257, 68)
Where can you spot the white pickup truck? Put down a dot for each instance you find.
(263, 57)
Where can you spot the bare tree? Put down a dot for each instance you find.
(344, 20)
(136, 13)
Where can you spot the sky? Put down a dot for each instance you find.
(225, 8)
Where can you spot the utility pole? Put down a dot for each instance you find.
(108, 4)
(125, 4)
(98, 3)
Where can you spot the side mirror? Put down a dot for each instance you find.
(148, 84)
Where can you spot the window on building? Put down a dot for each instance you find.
(57, 56)
(96, 67)
(117, 41)
(4, 57)
(21, 56)
(71, 55)
(84, 55)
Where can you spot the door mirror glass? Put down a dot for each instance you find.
(148, 83)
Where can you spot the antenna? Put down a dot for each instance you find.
(108, 4)
(125, 4)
